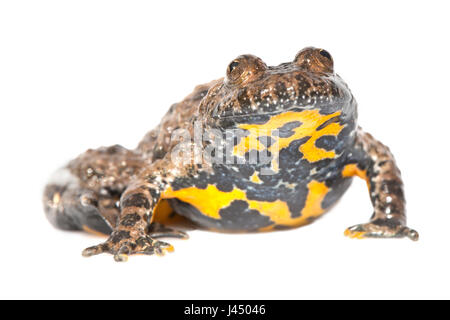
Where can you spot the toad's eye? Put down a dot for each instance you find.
(314, 60)
(232, 66)
(326, 54)
(245, 68)
(236, 70)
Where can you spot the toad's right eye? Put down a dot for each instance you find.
(245, 68)
(232, 66)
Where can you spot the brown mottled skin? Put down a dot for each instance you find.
(115, 190)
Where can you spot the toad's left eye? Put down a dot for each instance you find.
(314, 60)
(325, 53)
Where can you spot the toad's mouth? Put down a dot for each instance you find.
(256, 114)
(344, 104)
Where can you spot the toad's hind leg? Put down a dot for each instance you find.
(137, 206)
(372, 161)
(69, 206)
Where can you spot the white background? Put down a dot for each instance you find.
(81, 74)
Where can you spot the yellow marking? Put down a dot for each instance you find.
(354, 234)
(162, 211)
(351, 170)
(165, 215)
(209, 201)
(170, 248)
(255, 178)
(316, 194)
(266, 229)
(94, 232)
(310, 119)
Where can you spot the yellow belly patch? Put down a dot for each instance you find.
(310, 119)
(352, 170)
(211, 200)
(162, 212)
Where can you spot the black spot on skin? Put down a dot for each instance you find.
(225, 186)
(287, 129)
(292, 152)
(238, 216)
(266, 193)
(119, 236)
(328, 122)
(262, 157)
(130, 220)
(337, 186)
(246, 170)
(297, 202)
(326, 142)
(220, 179)
(138, 200)
(201, 182)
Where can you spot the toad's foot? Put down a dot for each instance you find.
(121, 244)
(381, 229)
(158, 230)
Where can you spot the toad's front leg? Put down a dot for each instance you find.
(372, 161)
(129, 237)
